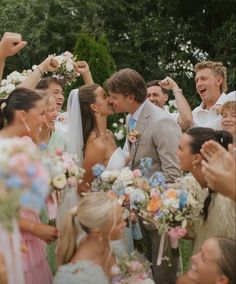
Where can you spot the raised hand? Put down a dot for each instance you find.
(10, 44)
(81, 67)
(168, 84)
(50, 64)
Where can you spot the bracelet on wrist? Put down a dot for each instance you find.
(178, 91)
(40, 71)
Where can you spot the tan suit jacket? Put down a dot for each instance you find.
(158, 139)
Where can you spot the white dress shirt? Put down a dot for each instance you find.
(210, 117)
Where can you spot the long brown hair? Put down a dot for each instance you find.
(87, 96)
(199, 136)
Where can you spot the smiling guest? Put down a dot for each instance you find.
(23, 111)
(214, 263)
(211, 83)
(228, 121)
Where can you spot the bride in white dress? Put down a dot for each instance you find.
(89, 138)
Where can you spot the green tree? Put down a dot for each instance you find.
(96, 53)
(48, 26)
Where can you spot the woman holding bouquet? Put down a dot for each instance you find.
(218, 217)
(24, 112)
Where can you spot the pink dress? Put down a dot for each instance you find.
(35, 265)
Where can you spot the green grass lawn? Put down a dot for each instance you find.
(186, 250)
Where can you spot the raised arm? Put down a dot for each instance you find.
(82, 67)
(10, 44)
(185, 113)
(50, 64)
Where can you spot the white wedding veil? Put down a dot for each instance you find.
(75, 143)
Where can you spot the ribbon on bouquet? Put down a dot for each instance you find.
(161, 249)
(174, 234)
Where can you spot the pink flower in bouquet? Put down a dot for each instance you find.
(71, 181)
(59, 151)
(143, 276)
(68, 54)
(175, 234)
(18, 163)
(135, 265)
(155, 193)
(115, 270)
(137, 173)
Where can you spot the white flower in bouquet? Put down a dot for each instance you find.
(109, 176)
(126, 176)
(69, 66)
(8, 88)
(121, 120)
(15, 77)
(136, 195)
(115, 124)
(59, 182)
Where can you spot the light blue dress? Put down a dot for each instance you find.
(83, 272)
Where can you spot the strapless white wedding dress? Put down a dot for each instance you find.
(70, 199)
(117, 160)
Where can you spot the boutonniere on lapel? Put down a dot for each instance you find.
(217, 108)
(133, 136)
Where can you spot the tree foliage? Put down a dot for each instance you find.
(155, 37)
(96, 53)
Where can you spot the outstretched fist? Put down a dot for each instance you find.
(10, 44)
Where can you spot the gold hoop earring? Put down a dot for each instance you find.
(26, 126)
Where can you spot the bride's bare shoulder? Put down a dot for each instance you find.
(95, 142)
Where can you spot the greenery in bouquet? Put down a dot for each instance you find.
(64, 170)
(66, 71)
(24, 179)
(12, 80)
(130, 269)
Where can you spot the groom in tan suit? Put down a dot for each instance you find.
(158, 139)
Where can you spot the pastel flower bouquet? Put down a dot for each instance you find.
(66, 71)
(128, 186)
(24, 179)
(64, 170)
(171, 208)
(129, 270)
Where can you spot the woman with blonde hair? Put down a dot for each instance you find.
(83, 251)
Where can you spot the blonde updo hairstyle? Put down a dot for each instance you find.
(94, 212)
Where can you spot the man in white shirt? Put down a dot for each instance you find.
(157, 93)
(211, 85)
